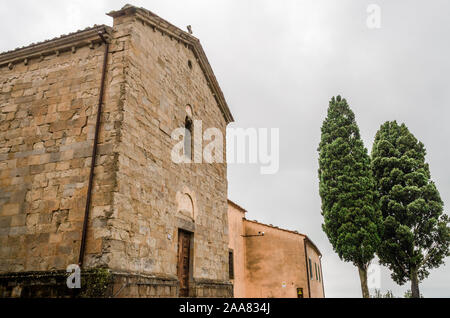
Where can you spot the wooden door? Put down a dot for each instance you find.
(184, 250)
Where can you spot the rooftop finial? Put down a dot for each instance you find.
(189, 28)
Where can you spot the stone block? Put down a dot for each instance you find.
(10, 209)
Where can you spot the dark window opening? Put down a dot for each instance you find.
(231, 264)
(318, 271)
(317, 276)
(310, 270)
(188, 138)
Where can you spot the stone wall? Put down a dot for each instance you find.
(159, 86)
(102, 283)
(48, 109)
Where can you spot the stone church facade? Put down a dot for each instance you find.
(138, 224)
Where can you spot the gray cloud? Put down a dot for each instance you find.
(278, 63)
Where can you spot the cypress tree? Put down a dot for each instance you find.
(347, 188)
(415, 233)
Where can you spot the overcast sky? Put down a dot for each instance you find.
(279, 63)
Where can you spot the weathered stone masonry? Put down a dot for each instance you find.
(140, 198)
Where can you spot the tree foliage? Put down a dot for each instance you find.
(347, 188)
(415, 235)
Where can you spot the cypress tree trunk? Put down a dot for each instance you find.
(363, 279)
(415, 293)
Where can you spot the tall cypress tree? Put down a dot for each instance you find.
(347, 188)
(415, 235)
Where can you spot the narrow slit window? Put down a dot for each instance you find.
(188, 138)
(231, 264)
(318, 271)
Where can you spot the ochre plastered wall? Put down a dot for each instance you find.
(275, 262)
(316, 283)
(236, 223)
(273, 265)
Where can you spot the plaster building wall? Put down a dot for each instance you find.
(236, 217)
(315, 280)
(275, 262)
(273, 265)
